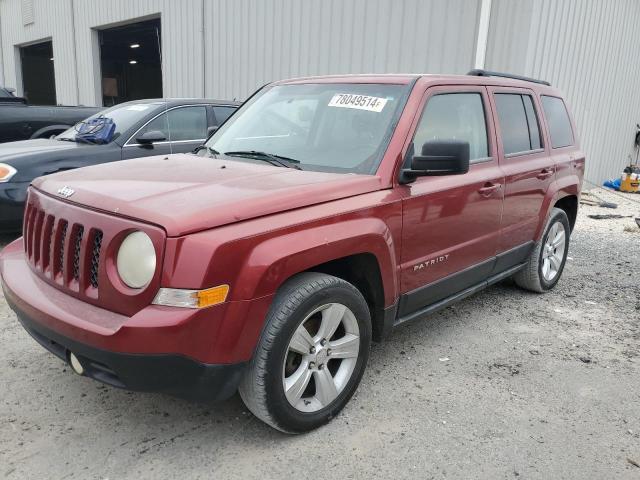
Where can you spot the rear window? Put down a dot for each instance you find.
(558, 121)
(519, 126)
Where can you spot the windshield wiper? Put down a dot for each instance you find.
(66, 139)
(212, 151)
(271, 158)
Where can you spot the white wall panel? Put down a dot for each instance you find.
(51, 20)
(588, 49)
(228, 48)
(251, 42)
(182, 45)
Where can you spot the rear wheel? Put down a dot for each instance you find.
(311, 355)
(547, 260)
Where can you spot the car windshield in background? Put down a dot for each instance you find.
(342, 128)
(123, 116)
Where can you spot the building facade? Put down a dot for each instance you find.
(227, 48)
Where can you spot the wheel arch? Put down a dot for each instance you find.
(569, 204)
(360, 251)
(49, 130)
(362, 270)
(563, 194)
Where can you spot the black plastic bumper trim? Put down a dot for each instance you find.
(165, 373)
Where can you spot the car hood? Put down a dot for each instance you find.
(14, 150)
(188, 193)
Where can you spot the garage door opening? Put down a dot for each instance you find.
(38, 77)
(131, 62)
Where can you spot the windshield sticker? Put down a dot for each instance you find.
(138, 108)
(361, 102)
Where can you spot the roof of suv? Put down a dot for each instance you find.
(404, 79)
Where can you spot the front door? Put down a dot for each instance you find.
(184, 129)
(451, 223)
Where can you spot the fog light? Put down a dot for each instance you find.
(75, 364)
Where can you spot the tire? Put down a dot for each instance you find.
(538, 275)
(304, 301)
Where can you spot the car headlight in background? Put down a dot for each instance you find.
(136, 260)
(6, 172)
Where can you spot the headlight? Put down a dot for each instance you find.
(6, 172)
(136, 260)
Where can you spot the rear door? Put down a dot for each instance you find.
(451, 223)
(528, 168)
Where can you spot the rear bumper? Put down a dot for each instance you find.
(171, 374)
(12, 201)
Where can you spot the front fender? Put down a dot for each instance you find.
(276, 259)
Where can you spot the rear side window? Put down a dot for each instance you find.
(558, 120)
(454, 116)
(519, 126)
(222, 113)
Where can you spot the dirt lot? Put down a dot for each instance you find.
(506, 384)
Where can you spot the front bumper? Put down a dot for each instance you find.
(12, 200)
(172, 374)
(197, 354)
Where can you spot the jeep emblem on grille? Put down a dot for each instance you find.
(66, 192)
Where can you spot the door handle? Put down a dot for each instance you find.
(545, 173)
(488, 189)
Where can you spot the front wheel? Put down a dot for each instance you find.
(546, 261)
(311, 355)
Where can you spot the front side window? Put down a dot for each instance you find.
(342, 128)
(557, 117)
(519, 126)
(184, 123)
(454, 116)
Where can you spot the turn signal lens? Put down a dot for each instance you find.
(6, 172)
(176, 297)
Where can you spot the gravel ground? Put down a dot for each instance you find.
(506, 384)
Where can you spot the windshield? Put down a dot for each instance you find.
(124, 117)
(343, 128)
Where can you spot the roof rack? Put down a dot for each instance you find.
(488, 73)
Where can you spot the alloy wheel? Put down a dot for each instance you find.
(321, 357)
(553, 251)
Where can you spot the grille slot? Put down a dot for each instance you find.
(76, 252)
(47, 238)
(95, 258)
(63, 236)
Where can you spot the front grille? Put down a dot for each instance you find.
(57, 248)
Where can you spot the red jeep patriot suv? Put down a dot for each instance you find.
(325, 212)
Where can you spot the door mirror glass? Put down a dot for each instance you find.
(151, 136)
(439, 157)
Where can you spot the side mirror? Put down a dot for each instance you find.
(150, 137)
(438, 157)
(211, 131)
